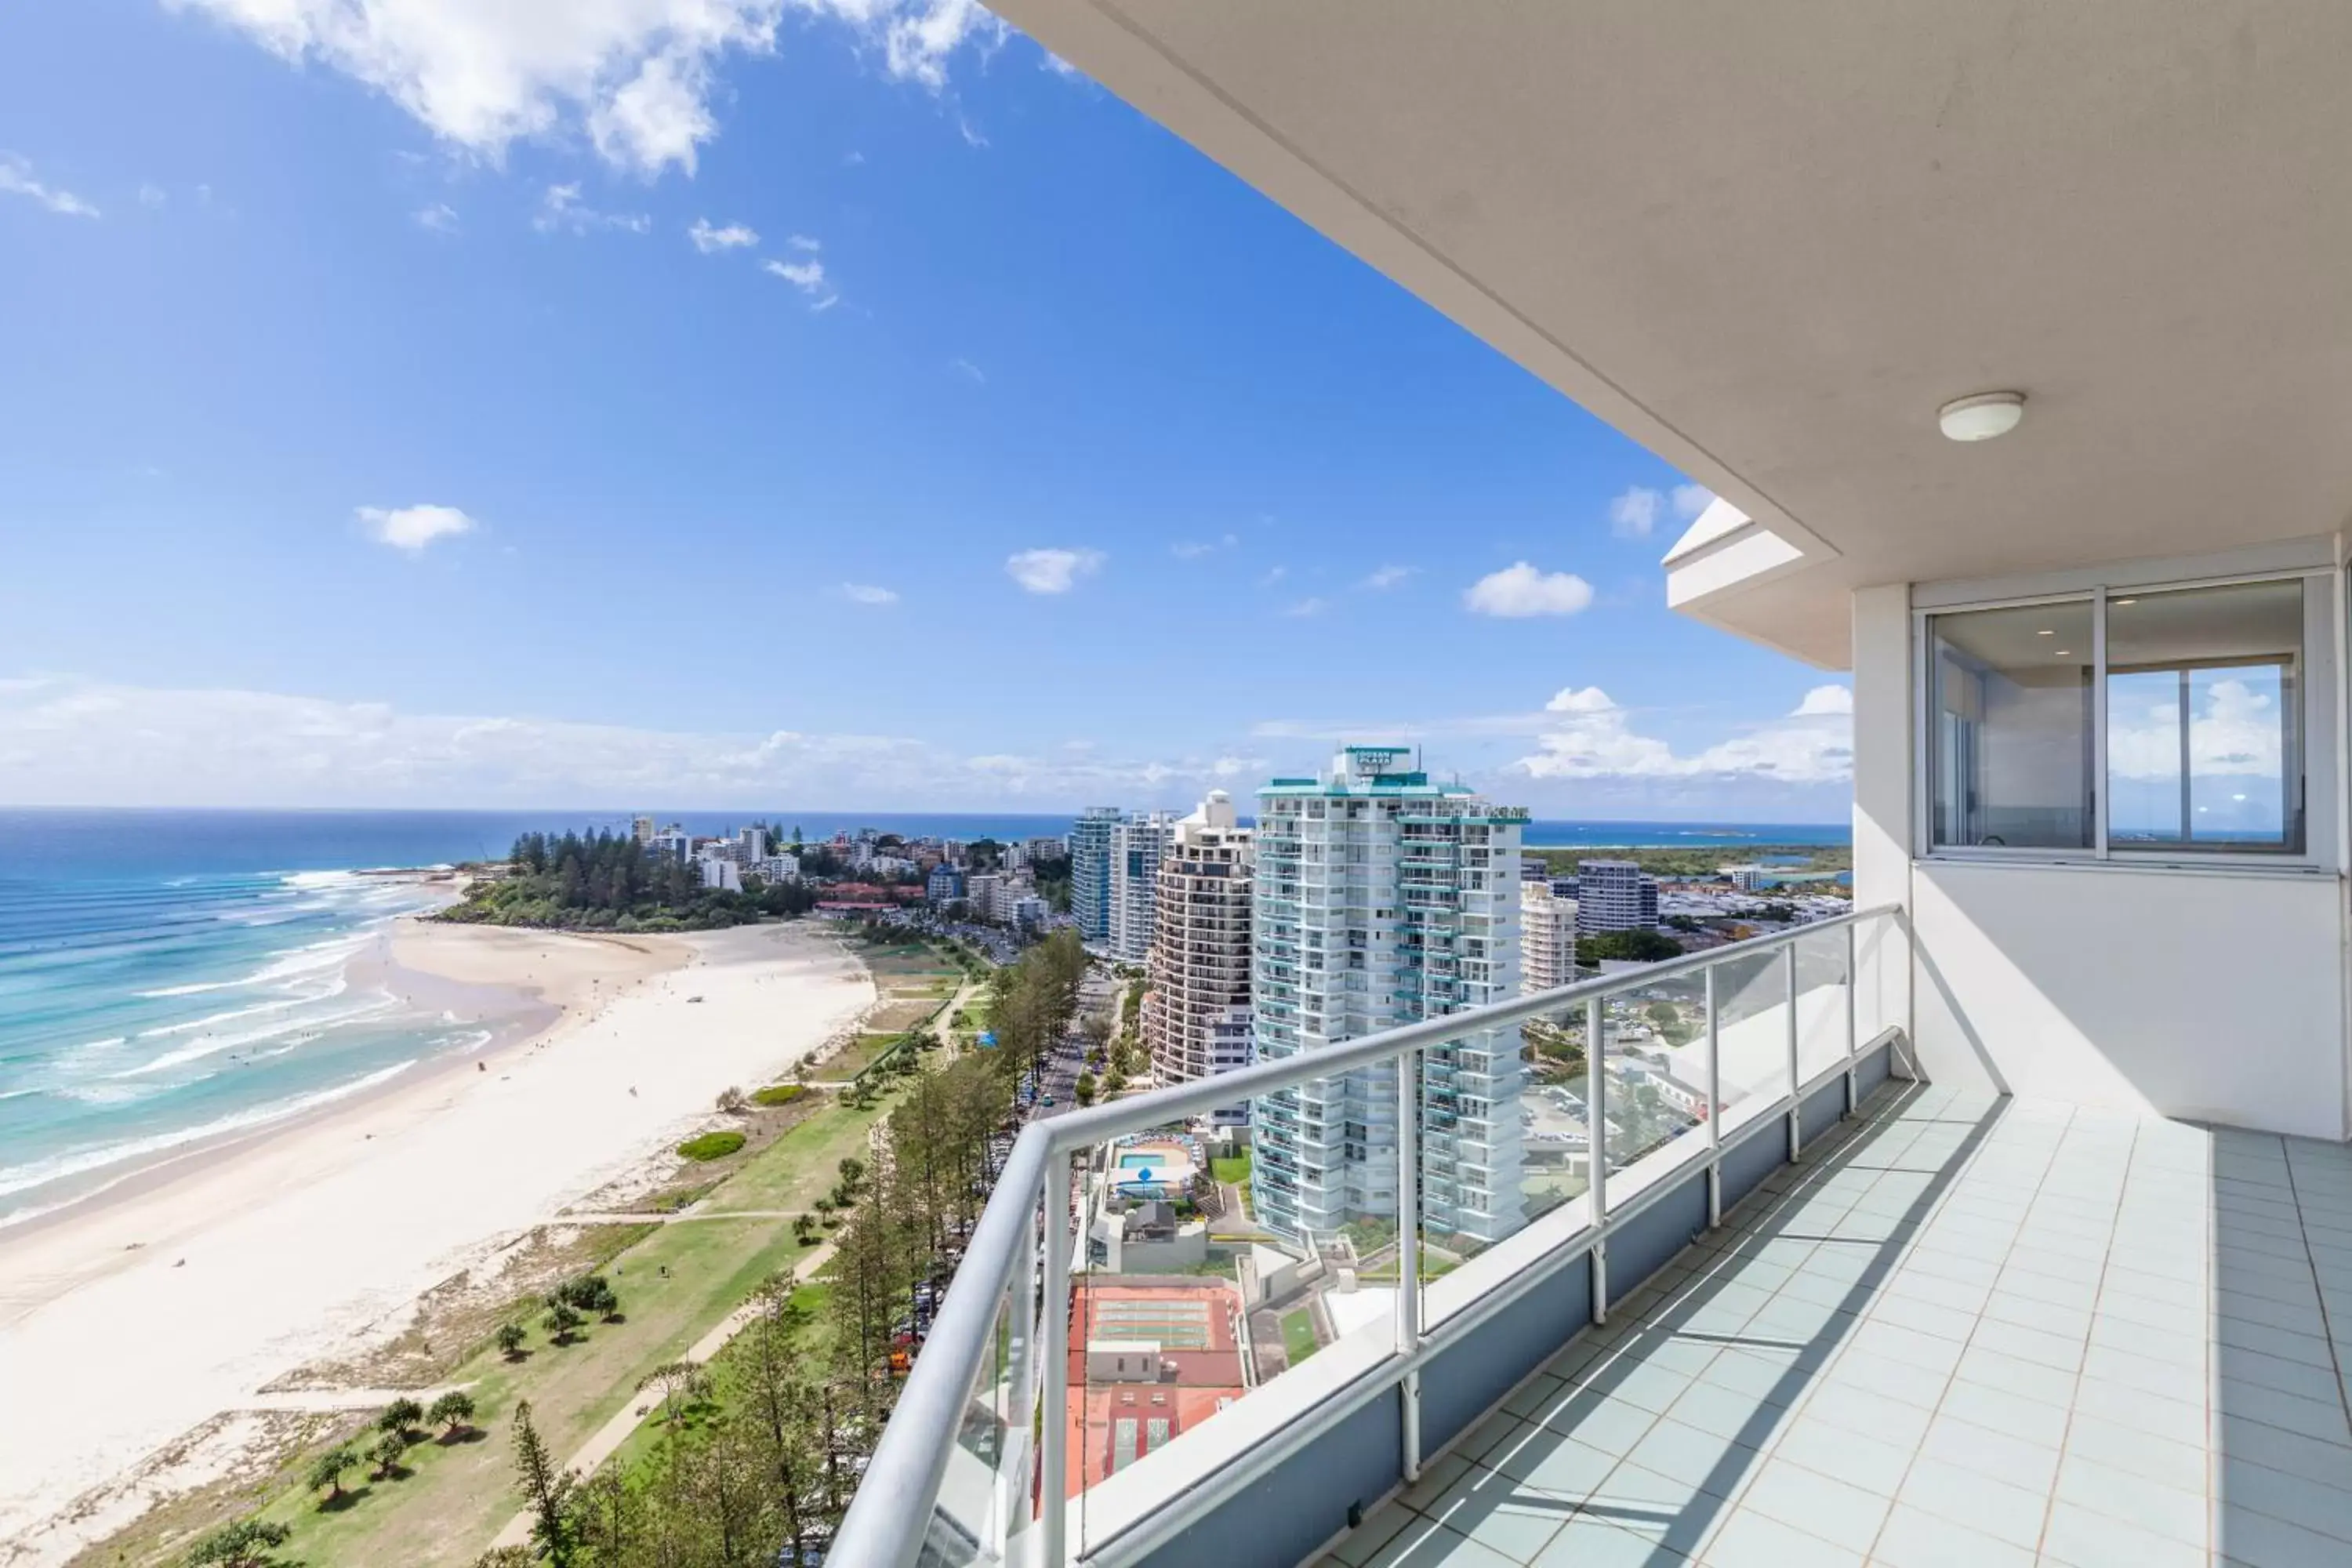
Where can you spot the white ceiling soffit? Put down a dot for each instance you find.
(1769, 241)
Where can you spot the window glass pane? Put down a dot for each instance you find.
(2204, 718)
(2011, 755)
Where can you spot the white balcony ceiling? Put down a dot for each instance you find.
(1769, 241)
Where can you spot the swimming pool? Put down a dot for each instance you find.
(1142, 1162)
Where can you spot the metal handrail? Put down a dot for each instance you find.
(891, 1513)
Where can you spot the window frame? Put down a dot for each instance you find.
(2312, 740)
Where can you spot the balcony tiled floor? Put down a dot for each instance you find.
(1973, 1333)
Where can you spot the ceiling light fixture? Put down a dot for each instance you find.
(1982, 417)
(2119, 603)
(2063, 653)
(2045, 632)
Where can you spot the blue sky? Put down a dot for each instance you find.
(739, 402)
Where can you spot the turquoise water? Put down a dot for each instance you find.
(139, 1015)
(1139, 1162)
(168, 975)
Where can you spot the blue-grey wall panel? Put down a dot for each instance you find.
(1459, 1386)
(1651, 1239)
(1293, 1508)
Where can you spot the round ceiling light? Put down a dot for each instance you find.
(1982, 417)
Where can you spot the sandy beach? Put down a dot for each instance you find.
(170, 1299)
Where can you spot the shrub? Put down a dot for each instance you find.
(731, 1101)
(246, 1542)
(712, 1146)
(510, 1337)
(777, 1094)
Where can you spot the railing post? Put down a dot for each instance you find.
(1852, 1029)
(1408, 1305)
(1714, 1105)
(1054, 1440)
(1596, 1142)
(1796, 1108)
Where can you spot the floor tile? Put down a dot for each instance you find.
(1843, 1515)
(2005, 1512)
(1753, 1540)
(2166, 1510)
(1911, 1539)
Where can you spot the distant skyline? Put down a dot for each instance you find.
(735, 402)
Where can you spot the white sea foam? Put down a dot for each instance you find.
(17, 1178)
(107, 1044)
(213, 1045)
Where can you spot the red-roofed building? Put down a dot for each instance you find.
(1151, 1357)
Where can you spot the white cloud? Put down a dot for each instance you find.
(440, 217)
(1194, 549)
(1274, 574)
(1585, 735)
(70, 740)
(868, 593)
(1388, 577)
(802, 242)
(560, 209)
(638, 76)
(919, 39)
(16, 180)
(1304, 608)
(969, 371)
(2237, 732)
(1823, 700)
(1060, 66)
(808, 277)
(1518, 590)
(706, 239)
(1053, 571)
(152, 196)
(1633, 514)
(412, 528)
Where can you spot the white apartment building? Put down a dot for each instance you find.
(1137, 845)
(1380, 899)
(1615, 895)
(641, 829)
(778, 867)
(753, 844)
(1546, 938)
(722, 873)
(1196, 1016)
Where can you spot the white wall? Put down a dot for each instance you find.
(2193, 993)
(1881, 802)
(2204, 995)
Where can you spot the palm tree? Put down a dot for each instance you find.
(386, 1454)
(327, 1470)
(451, 1412)
(510, 1337)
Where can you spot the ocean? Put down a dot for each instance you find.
(168, 976)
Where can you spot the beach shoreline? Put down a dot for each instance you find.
(145, 1309)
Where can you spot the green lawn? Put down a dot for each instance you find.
(1298, 1335)
(798, 1168)
(853, 1059)
(455, 1496)
(1233, 1168)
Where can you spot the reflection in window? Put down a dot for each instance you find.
(2012, 761)
(2203, 709)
